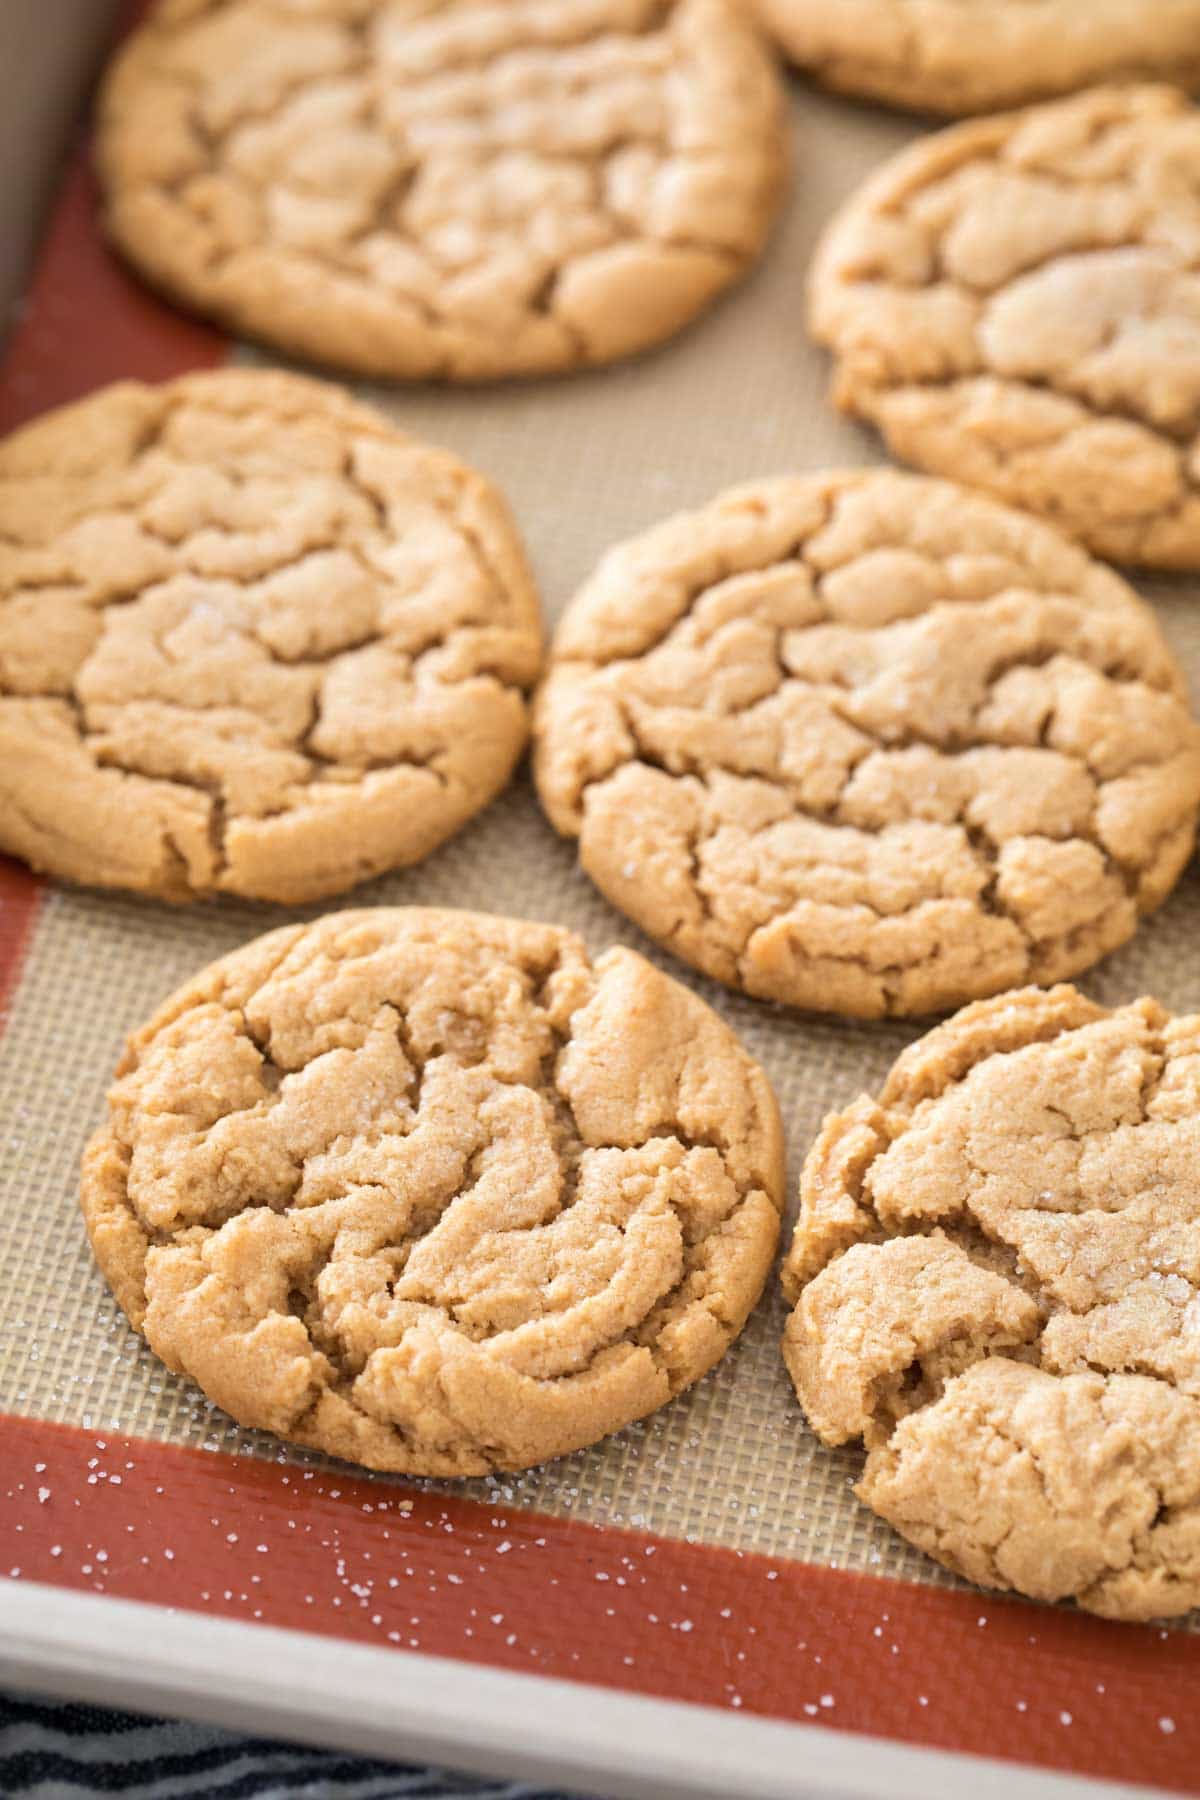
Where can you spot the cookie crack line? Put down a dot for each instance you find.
(1094, 412)
(262, 595)
(737, 506)
(183, 543)
(449, 1197)
(687, 766)
(1066, 1134)
(359, 28)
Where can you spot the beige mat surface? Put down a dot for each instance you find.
(586, 462)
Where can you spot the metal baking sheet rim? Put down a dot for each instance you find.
(121, 1652)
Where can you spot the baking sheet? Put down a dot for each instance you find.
(50, 47)
(585, 461)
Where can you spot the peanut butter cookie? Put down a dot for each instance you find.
(1016, 303)
(452, 191)
(997, 1281)
(964, 56)
(869, 744)
(253, 640)
(431, 1192)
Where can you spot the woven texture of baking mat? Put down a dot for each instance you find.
(586, 462)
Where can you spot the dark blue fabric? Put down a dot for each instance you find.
(53, 1750)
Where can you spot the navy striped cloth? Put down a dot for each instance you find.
(53, 1751)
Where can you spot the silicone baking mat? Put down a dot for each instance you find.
(730, 1467)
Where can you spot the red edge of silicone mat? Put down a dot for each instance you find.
(385, 1563)
(349, 1558)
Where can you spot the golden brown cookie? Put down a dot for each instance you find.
(432, 1192)
(996, 1274)
(1016, 303)
(253, 640)
(453, 191)
(869, 744)
(964, 56)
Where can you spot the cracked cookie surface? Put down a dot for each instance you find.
(432, 1192)
(253, 640)
(870, 744)
(1016, 303)
(996, 1277)
(965, 56)
(458, 190)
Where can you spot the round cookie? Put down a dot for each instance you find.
(1016, 303)
(456, 191)
(430, 1191)
(869, 744)
(964, 56)
(996, 1273)
(253, 640)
